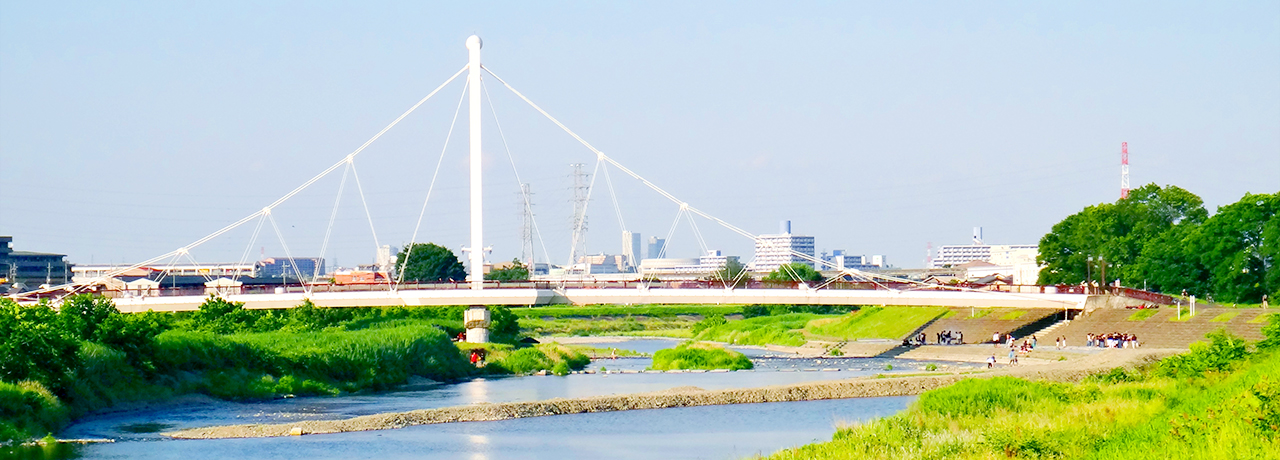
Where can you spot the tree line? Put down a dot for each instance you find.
(1163, 239)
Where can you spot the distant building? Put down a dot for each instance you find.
(1007, 261)
(995, 254)
(839, 259)
(773, 251)
(631, 248)
(385, 259)
(87, 273)
(599, 264)
(657, 247)
(282, 267)
(25, 270)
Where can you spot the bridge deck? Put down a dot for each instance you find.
(531, 296)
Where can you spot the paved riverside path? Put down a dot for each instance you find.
(1071, 370)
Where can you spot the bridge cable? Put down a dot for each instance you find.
(528, 204)
(116, 272)
(324, 245)
(430, 188)
(614, 196)
(293, 264)
(253, 239)
(615, 163)
(376, 244)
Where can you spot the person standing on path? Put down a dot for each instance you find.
(1013, 356)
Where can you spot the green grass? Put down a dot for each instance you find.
(763, 330)
(699, 355)
(668, 333)
(656, 311)
(948, 314)
(1012, 315)
(1262, 318)
(567, 326)
(1142, 315)
(876, 322)
(1225, 317)
(1186, 316)
(980, 313)
(1215, 402)
(261, 365)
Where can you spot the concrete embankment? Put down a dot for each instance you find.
(680, 397)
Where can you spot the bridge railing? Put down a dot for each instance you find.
(296, 288)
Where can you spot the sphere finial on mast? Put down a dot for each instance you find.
(474, 43)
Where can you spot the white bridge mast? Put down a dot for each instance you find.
(477, 317)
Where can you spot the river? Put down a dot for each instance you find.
(709, 432)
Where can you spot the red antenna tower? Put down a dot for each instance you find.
(1124, 170)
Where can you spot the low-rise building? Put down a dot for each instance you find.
(26, 270)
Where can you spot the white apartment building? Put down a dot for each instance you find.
(773, 251)
(996, 254)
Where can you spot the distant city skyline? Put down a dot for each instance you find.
(129, 130)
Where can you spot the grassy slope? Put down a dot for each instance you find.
(1209, 417)
(877, 323)
(763, 330)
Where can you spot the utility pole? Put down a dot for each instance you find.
(1102, 265)
(526, 226)
(581, 192)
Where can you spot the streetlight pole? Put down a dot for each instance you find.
(1088, 275)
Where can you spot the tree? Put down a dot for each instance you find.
(427, 262)
(1233, 247)
(1116, 233)
(733, 274)
(516, 272)
(795, 271)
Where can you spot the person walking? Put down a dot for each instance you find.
(1013, 356)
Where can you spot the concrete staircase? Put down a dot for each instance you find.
(979, 330)
(1163, 329)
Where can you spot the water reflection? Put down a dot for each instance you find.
(479, 445)
(477, 391)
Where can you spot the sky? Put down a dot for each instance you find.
(130, 129)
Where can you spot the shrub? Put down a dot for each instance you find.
(1271, 333)
(691, 355)
(708, 322)
(1222, 351)
(33, 346)
(28, 409)
(81, 315)
(219, 316)
(134, 334)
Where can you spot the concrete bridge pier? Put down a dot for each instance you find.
(476, 319)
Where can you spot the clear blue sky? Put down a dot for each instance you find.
(128, 129)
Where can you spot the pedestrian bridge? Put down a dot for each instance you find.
(619, 296)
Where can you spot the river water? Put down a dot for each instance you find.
(709, 432)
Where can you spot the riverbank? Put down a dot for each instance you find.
(1066, 371)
